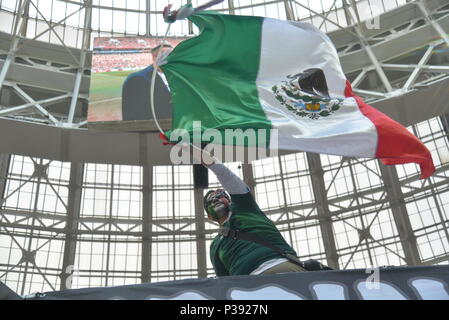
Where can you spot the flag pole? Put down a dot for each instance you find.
(153, 78)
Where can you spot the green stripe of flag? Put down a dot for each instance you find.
(213, 76)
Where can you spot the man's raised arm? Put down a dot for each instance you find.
(229, 180)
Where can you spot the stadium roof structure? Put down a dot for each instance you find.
(75, 206)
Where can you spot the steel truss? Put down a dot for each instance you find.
(324, 212)
(376, 79)
(392, 74)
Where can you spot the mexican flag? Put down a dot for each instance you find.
(260, 73)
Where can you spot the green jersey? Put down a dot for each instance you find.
(240, 257)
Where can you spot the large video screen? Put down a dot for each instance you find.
(114, 59)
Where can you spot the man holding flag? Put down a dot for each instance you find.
(244, 72)
(248, 243)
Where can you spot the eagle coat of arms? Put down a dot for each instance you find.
(306, 94)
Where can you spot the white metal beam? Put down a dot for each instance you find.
(359, 78)
(39, 108)
(50, 28)
(320, 194)
(332, 7)
(55, 33)
(147, 222)
(231, 6)
(400, 215)
(440, 31)
(425, 58)
(370, 93)
(80, 72)
(13, 110)
(4, 164)
(367, 47)
(19, 25)
(289, 10)
(71, 228)
(325, 18)
(411, 67)
(200, 227)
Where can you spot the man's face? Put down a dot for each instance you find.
(218, 203)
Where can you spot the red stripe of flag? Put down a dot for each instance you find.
(395, 144)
